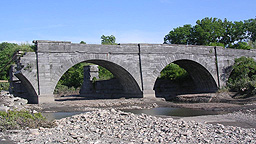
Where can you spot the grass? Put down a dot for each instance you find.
(22, 119)
(4, 86)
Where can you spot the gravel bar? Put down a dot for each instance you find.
(112, 126)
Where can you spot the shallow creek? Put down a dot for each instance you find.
(159, 111)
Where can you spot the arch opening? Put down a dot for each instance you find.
(24, 89)
(198, 80)
(122, 85)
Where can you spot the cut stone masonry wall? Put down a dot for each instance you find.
(135, 66)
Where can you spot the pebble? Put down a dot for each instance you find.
(113, 126)
(9, 102)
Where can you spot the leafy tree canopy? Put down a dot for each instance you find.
(103, 72)
(214, 31)
(82, 42)
(252, 44)
(173, 72)
(108, 40)
(74, 76)
(251, 28)
(7, 51)
(180, 35)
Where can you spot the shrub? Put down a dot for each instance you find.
(4, 86)
(243, 77)
(241, 45)
(64, 90)
(104, 74)
(174, 72)
(22, 119)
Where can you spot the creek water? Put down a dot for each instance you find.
(159, 111)
(177, 112)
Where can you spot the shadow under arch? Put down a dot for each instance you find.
(130, 87)
(32, 96)
(201, 81)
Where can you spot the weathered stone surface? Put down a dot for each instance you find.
(136, 66)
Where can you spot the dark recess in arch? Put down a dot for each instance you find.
(200, 81)
(30, 93)
(123, 85)
(129, 84)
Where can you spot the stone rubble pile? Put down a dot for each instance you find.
(111, 126)
(9, 102)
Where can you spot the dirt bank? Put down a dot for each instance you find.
(76, 103)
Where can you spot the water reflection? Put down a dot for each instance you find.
(166, 111)
(59, 115)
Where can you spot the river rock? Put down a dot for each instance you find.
(113, 126)
(4, 108)
(8, 100)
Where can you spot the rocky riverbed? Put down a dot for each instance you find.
(111, 126)
(106, 124)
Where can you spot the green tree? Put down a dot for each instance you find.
(180, 35)
(252, 44)
(227, 35)
(241, 45)
(7, 51)
(239, 31)
(216, 44)
(108, 40)
(206, 31)
(173, 72)
(74, 76)
(82, 42)
(103, 72)
(243, 76)
(214, 31)
(250, 26)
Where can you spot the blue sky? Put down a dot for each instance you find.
(130, 21)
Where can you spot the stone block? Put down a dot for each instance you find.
(4, 108)
(46, 98)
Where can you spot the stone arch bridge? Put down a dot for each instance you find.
(136, 66)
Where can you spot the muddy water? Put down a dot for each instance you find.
(160, 111)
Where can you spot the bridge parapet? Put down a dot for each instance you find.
(68, 47)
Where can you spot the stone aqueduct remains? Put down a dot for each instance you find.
(136, 66)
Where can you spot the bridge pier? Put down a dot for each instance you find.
(45, 98)
(149, 94)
